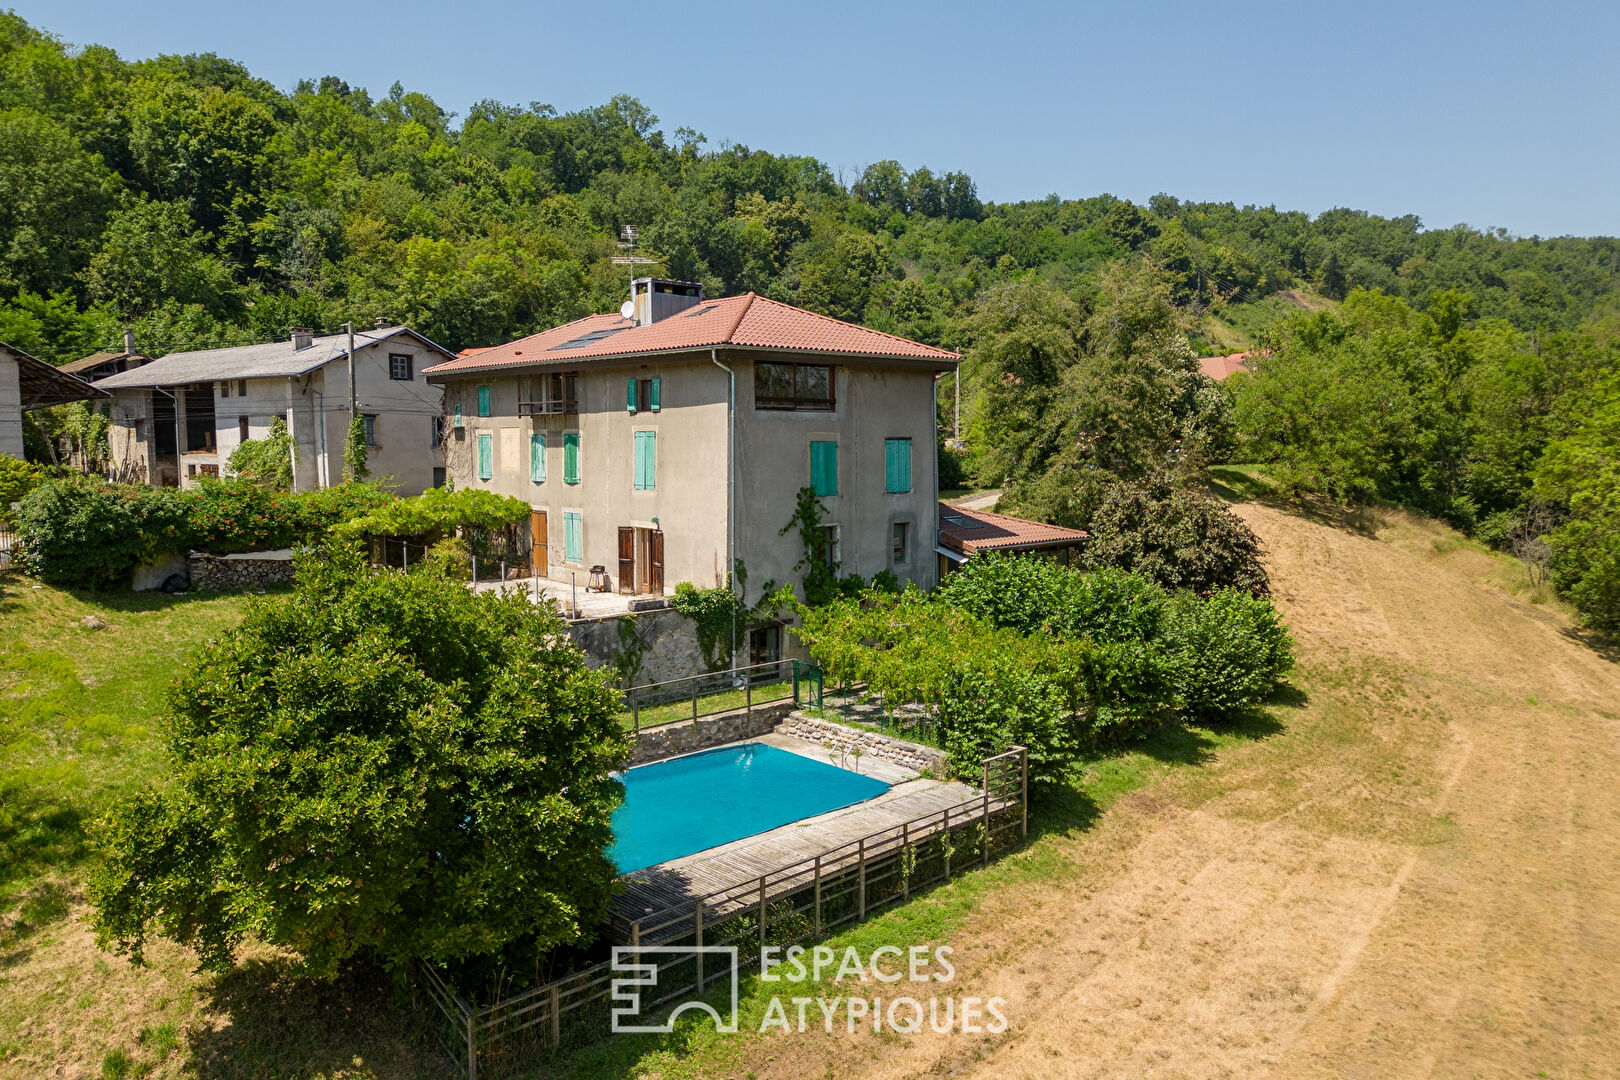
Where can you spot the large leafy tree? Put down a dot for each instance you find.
(381, 766)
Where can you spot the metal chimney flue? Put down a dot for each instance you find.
(655, 299)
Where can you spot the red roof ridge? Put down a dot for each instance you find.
(855, 326)
(748, 302)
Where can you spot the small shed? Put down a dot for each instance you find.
(964, 533)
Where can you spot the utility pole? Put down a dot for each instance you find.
(353, 401)
(956, 418)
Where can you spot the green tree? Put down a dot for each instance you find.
(383, 766)
(266, 462)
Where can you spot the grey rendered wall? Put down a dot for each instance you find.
(873, 404)
(11, 439)
(404, 408)
(688, 499)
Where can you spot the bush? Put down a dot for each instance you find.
(383, 766)
(267, 462)
(1171, 530)
(76, 532)
(229, 516)
(17, 478)
(1230, 651)
(1031, 594)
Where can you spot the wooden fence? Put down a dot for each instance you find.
(793, 904)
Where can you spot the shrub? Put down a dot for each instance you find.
(231, 516)
(76, 532)
(1033, 594)
(1171, 530)
(17, 478)
(381, 765)
(267, 462)
(452, 558)
(163, 517)
(995, 699)
(1230, 651)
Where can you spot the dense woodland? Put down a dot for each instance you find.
(1469, 374)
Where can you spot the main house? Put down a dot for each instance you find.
(178, 418)
(669, 441)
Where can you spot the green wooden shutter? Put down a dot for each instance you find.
(630, 394)
(486, 455)
(573, 538)
(537, 458)
(824, 467)
(571, 457)
(657, 382)
(897, 465)
(646, 460)
(483, 401)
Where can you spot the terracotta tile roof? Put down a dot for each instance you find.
(1219, 367)
(970, 531)
(745, 322)
(475, 350)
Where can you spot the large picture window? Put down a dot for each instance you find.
(793, 386)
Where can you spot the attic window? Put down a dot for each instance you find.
(586, 339)
(700, 311)
(963, 522)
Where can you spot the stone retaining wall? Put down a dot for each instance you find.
(234, 573)
(687, 736)
(909, 755)
(666, 639)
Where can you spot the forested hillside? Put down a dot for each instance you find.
(1469, 374)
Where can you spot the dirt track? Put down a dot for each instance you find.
(1418, 876)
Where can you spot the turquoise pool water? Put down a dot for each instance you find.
(673, 808)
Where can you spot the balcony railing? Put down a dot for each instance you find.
(547, 408)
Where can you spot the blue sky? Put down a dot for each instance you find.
(1493, 114)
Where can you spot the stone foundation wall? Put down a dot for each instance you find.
(910, 755)
(234, 573)
(667, 640)
(687, 736)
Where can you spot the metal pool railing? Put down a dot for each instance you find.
(740, 689)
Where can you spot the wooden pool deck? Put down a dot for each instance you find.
(682, 881)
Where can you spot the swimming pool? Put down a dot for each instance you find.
(699, 801)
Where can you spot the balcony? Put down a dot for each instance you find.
(548, 408)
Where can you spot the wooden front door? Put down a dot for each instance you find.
(655, 579)
(627, 558)
(539, 548)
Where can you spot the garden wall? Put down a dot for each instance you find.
(689, 736)
(910, 755)
(233, 573)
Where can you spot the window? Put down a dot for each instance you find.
(438, 476)
(399, 367)
(573, 537)
(242, 429)
(483, 401)
(570, 457)
(641, 395)
(824, 468)
(436, 435)
(793, 386)
(646, 460)
(899, 537)
(537, 457)
(369, 420)
(827, 550)
(564, 392)
(486, 455)
(233, 388)
(896, 466)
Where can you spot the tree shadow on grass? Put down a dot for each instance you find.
(283, 1024)
(1233, 485)
(1599, 642)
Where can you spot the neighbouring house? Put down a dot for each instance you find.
(1219, 367)
(27, 383)
(179, 417)
(670, 441)
(964, 533)
(102, 364)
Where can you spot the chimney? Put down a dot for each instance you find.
(129, 341)
(653, 299)
(382, 323)
(302, 339)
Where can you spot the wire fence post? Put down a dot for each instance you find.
(818, 895)
(1023, 796)
(762, 911)
(472, 1044)
(475, 569)
(945, 839)
(984, 859)
(556, 1015)
(699, 922)
(860, 876)
(905, 843)
(748, 696)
